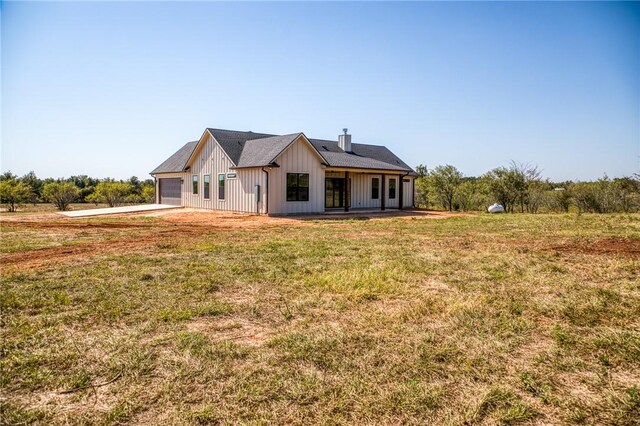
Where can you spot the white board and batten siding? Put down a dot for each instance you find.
(407, 190)
(361, 186)
(240, 192)
(298, 158)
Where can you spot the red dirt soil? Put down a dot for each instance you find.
(612, 245)
(167, 227)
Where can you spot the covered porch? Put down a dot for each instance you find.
(366, 190)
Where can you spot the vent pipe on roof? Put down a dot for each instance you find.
(344, 141)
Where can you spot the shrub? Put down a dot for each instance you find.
(112, 193)
(443, 182)
(14, 193)
(61, 194)
(149, 193)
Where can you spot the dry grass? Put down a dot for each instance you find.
(468, 320)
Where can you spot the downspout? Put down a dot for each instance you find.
(266, 191)
(156, 196)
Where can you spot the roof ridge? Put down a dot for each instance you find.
(240, 131)
(275, 136)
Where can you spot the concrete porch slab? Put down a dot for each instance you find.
(361, 211)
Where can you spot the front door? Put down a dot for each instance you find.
(334, 192)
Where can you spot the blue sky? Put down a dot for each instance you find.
(112, 89)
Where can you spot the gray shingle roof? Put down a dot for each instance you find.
(263, 152)
(355, 161)
(249, 149)
(178, 161)
(232, 141)
(375, 152)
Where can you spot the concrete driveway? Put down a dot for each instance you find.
(115, 210)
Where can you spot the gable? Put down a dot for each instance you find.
(302, 140)
(250, 149)
(264, 152)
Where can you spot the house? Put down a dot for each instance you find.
(283, 174)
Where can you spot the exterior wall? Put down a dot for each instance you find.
(298, 158)
(392, 203)
(239, 192)
(407, 190)
(361, 189)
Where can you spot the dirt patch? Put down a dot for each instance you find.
(170, 224)
(38, 258)
(629, 247)
(240, 331)
(71, 224)
(233, 219)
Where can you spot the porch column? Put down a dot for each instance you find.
(413, 192)
(347, 192)
(383, 192)
(400, 179)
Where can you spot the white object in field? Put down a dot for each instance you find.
(495, 208)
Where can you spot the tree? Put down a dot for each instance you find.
(13, 193)
(469, 194)
(8, 176)
(500, 183)
(519, 184)
(136, 185)
(559, 199)
(61, 194)
(149, 194)
(112, 193)
(422, 171)
(421, 187)
(35, 183)
(443, 182)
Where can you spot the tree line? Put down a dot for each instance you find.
(16, 191)
(521, 188)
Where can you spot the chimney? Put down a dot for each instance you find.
(344, 141)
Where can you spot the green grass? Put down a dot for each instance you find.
(512, 319)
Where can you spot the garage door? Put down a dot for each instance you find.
(170, 190)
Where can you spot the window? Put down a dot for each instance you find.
(375, 188)
(221, 186)
(206, 183)
(195, 184)
(297, 186)
(392, 189)
(232, 175)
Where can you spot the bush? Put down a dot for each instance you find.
(61, 194)
(443, 182)
(149, 194)
(14, 193)
(112, 193)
